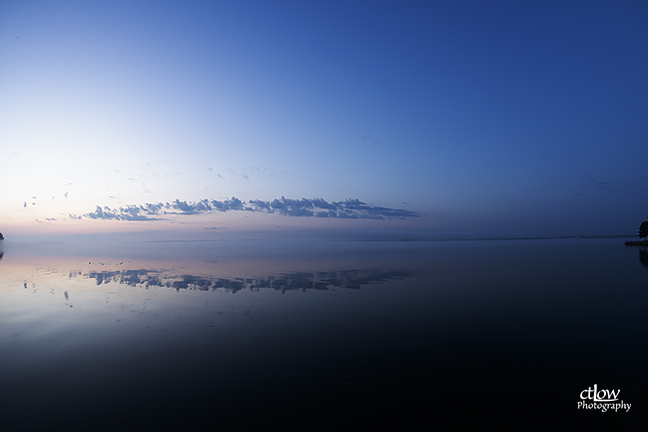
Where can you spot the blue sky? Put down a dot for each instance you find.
(442, 118)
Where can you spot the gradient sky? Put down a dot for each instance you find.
(443, 117)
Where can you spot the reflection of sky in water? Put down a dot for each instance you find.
(243, 334)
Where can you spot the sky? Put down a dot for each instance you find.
(430, 118)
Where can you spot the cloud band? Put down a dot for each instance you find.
(349, 209)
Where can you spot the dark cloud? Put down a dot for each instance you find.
(349, 209)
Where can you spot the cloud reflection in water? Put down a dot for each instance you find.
(319, 280)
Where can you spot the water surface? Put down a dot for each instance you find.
(308, 335)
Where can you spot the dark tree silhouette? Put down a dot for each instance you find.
(1, 236)
(643, 229)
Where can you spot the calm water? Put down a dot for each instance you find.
(304, 336)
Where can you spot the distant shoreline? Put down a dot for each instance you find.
(637, 243)
(500, 238)
(371, 239)
(405, 240)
